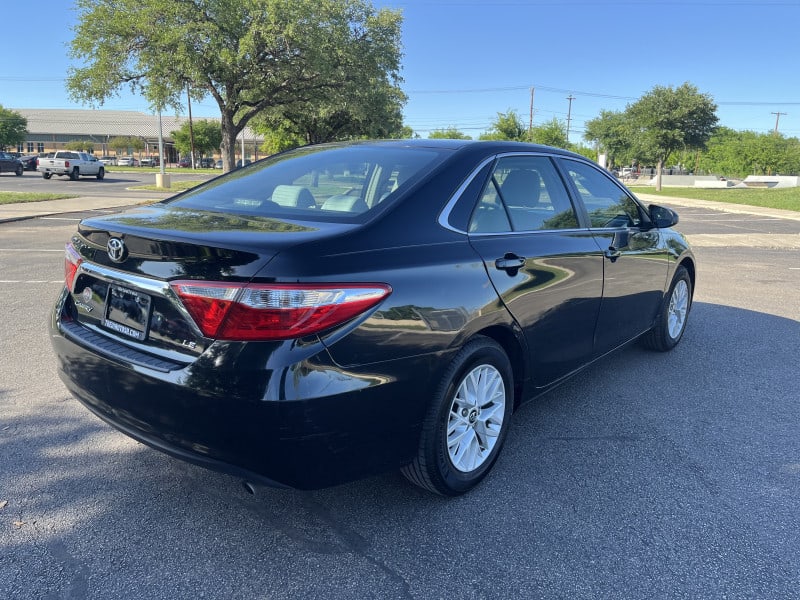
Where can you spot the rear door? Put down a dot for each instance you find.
(635, 263)
(547, 270)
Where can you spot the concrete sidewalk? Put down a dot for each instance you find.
(31, 210)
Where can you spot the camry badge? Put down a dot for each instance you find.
(116, 250)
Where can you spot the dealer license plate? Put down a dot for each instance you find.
(127, 312)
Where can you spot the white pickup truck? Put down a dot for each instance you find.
(74, 164)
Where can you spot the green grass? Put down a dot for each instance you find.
(15, 197)
(785, 198)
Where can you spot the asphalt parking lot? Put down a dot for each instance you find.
(648, 476)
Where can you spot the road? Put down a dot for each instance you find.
(115, 182)
(649, 476)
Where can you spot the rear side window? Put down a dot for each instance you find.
(606, 203)
(329, 183)
(524, 193)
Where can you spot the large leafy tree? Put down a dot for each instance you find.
(250, 56)
(13, 128)
(207, 137)
(356, 109)
(668, 119)
(613, 134)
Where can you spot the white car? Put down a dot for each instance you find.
(127, 161)
(108, 160)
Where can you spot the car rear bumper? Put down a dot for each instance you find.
(305, 424)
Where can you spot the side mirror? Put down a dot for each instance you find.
(662, 216)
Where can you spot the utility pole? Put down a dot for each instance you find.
(569, 113)
(530, 120)
(777, 118)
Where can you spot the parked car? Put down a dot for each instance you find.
(207, 163)
(72, 164)
(109, 160)
(240, 164)
(342, 310)
(127, 161)
(218, 164)
(150, 161)
(10, 164)
(185, 163)
(29, 162)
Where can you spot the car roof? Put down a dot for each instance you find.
(487, 146)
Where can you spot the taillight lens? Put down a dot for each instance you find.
(72, 260)
(274, 311)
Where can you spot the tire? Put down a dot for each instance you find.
(101, 173)
(474, 397)
(19, 170)
(75, 174)
(47, 175)
(673, 314)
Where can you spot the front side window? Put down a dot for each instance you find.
(524, 193)
(606, 203)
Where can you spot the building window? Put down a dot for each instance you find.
(30, 147)
(40, 147)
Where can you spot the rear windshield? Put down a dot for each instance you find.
(316, 183)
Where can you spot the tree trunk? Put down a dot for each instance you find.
(659, 167)
(228, 146)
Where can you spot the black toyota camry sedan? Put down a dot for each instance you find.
(342, 310)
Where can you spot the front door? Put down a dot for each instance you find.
(635, 265)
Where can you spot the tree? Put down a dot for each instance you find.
(207, 137)
(667, 119)
(122, 144)
(13, 128)
(451, 133)
(507, 126)
(250, 56)
(355, 110)
(80, 146)
(612, 131)
(551, 133)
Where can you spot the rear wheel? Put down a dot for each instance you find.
(47, 175)
(101, 173)
(75, 174)
(674, 313)
(467, 421)
(18, 171)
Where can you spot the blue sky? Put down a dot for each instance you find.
(466, 60)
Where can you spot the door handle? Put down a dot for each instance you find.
(510, 262)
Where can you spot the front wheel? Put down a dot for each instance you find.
(674, 313)
(18, 171)
(466, 422)
(101, 173)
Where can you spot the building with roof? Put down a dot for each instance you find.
(51, 129)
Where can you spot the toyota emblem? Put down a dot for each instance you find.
(116, 250)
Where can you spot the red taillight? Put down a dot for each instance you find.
(274, 311)
(72, 260)
(66, 164)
